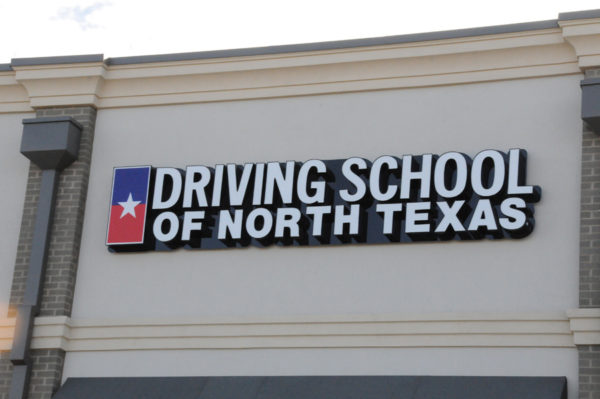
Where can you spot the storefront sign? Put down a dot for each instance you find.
(343, 201)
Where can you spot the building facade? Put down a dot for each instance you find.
(76, 314)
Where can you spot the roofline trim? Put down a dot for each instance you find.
(585, 14)
(66, 59)
(304, 47)
(335, 45)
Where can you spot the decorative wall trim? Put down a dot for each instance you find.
(61, 85)
(450, 61)
(336, 45)
(585, 324)
(261, 84)
(7, 333)
(432, 330)
(545, 48)
(584, 36)
(13, 96)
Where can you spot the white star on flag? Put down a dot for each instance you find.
(129, 206)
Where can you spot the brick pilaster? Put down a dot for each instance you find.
(5, 374)
(63, 254)
(589, 244)
(589, 371)
(589, 254)
(46, 372)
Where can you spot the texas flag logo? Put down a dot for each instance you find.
(129, 199)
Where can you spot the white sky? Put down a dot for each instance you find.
(35, 28)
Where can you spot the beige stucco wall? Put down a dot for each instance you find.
(534, 274)
(360, 361)
(13, 180)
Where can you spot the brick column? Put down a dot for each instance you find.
(5, 374)
(63, 255)
(589, 255)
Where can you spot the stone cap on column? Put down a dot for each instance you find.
(581, 29)
(61, 81)
(585, 324)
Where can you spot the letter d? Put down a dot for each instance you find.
(159, 187)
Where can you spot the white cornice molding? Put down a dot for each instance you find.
(61, 85)
(13, 96)
(339, 56)
(408, 65)
(584, 36)
(492, 57)
(585, 324)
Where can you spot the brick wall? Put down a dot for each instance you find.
(589, 254)
(65, 238)
(46, 372)
(63, 253)
(589, 371)
(25, 237)
(5, 374)
(589, 262)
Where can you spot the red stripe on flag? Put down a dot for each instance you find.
(126, 229)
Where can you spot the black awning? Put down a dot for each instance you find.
(315, 387)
